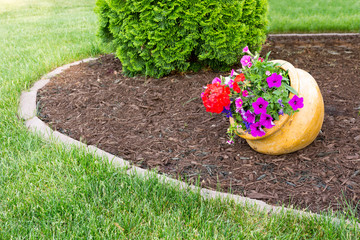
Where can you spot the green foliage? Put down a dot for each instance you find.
(157, 37)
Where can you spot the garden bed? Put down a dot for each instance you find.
(162, 124)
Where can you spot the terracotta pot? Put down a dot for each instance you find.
(292, 133)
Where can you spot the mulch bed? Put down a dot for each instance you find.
(162, 123)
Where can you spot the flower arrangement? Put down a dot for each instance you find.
(254, 97)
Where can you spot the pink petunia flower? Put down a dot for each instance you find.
(246, 49)
(249, 65)
(238, 103)
(227, 107)
(245, 60)
(260, 59)
(216, 80)
(230, 142)
(232, 72)
(227, 80)
(267, 73)
(245, 93)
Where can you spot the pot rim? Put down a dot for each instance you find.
(295, 83)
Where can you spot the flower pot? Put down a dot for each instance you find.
(292, 133)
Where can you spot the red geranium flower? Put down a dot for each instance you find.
(239, 78)
(236, 87)
(216, 97)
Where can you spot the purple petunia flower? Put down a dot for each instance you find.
(256, 130)
(245, 60)
(227, 112)
(266, 120)
(250, 117)
(260, 105)
(242, 113)
(216, 80)
(274, 80)
(280, 102)
(247, 125)
(232, 72)
(230, 83)
(296, 102)
(281, 112)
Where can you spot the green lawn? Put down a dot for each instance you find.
(49, 192)
(314, 16)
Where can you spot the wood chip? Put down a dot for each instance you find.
(146, 122)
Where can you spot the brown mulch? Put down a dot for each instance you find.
(161, 123)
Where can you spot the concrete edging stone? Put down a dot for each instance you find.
(27, 111)
(315, 35)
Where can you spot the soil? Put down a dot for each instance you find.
(162, 124)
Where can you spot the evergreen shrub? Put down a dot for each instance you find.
(155, 37)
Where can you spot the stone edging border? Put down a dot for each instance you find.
(315, 35)
(28, 109)
(310, 37)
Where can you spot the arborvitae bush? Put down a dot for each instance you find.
(155, 37)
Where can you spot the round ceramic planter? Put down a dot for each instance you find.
(292, 133)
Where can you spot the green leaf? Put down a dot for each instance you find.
(291, 89)
(267, 56)
(277, 92)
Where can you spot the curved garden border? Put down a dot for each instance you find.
(28, 109)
